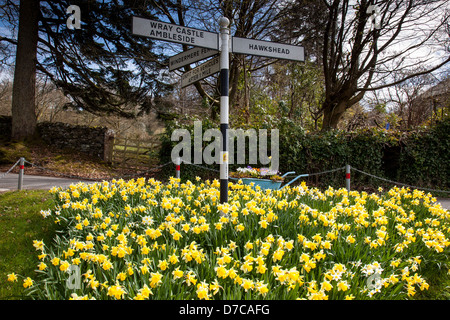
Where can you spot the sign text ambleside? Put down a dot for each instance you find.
(175, 33)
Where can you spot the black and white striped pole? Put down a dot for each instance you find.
(224, 107)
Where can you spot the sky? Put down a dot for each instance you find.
(426, 54)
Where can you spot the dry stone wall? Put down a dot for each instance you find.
(94, 141)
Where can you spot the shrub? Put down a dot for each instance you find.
(419, 158)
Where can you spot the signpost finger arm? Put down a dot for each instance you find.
(205, 45)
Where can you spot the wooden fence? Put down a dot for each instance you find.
(135, 154)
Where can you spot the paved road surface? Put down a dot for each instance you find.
(10, 182)
(445, 202)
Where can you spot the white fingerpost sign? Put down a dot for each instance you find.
(190, 56)
(202, 71)
(204, 39)
(175, 33)
(267, 49)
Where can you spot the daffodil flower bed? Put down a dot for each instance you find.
(142, 239)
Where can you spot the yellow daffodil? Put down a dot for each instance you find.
(254, 242)
(12, 277)
(28, 282)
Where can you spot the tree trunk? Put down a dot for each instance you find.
(23, 97)
(332, 114)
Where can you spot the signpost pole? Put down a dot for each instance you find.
(213, 41)
(224, 105)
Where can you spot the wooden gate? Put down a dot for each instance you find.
(135, 154)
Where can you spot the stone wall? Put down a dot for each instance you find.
(85, 139)
(94, 141)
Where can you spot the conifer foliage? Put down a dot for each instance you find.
(101, 66)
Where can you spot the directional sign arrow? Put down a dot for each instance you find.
(202, 71)
(175, 33)
(190, 56)
(267, 49)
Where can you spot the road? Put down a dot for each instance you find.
(445, 202)
(10, 182)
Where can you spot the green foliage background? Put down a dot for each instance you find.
(419, 158)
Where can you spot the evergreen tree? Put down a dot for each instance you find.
(101, 66)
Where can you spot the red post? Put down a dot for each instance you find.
(178, 167)
(21, 170)
(347, 177)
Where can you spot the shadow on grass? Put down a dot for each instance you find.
(20, 224)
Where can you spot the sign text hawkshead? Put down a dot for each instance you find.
(267, 49)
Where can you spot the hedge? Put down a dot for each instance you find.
(419, 158)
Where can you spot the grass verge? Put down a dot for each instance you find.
(20, 224)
